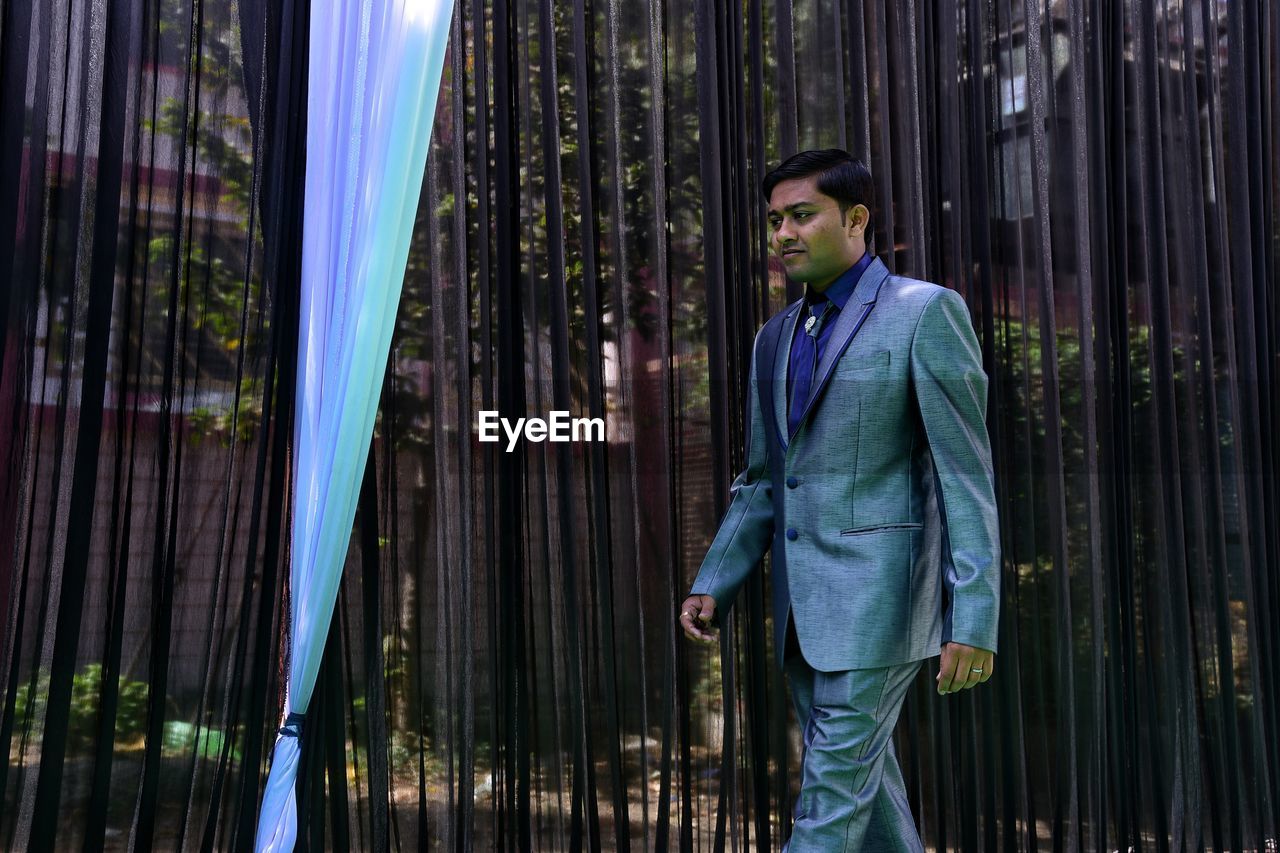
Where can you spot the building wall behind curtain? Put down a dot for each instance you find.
(1097, 179)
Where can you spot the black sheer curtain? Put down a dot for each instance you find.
(149, 339)
(1097, 179)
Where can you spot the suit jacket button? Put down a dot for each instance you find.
(792, 482)
(792, 534)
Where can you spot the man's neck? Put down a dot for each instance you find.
(814, 292)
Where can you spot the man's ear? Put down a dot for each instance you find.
(859, 216)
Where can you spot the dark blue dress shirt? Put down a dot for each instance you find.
(807, 347)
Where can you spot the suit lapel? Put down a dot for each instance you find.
(781, 367)
(851, 318)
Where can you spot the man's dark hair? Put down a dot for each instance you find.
(840, 175)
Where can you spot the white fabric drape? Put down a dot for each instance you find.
(373, 79)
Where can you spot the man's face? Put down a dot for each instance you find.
(806, 232)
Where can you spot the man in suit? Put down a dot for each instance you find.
(869, 473)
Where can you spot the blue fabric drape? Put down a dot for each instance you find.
(373, 79)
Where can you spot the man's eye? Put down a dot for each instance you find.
(802, 216)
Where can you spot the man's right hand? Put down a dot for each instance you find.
(696, 614)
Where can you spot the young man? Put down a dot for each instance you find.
(869, 473)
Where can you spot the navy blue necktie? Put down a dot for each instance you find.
(805, 362)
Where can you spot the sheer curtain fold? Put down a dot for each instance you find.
(374, 78)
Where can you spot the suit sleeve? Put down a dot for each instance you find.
(747, 526)
(951, 391)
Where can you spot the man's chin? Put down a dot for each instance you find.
(795, 270)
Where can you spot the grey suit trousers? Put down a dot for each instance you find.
(852, 796)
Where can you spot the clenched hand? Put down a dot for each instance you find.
(695, 618)
(963, 667)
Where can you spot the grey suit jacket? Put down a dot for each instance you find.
(881, 509)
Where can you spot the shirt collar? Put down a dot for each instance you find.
(842, 288)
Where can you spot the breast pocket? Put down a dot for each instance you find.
(860, 378)
(864, 364)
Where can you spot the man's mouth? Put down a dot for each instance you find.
(788, 252)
